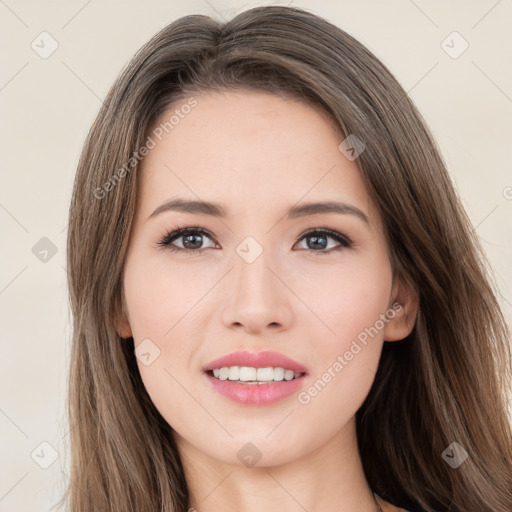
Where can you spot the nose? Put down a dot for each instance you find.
(257, 298)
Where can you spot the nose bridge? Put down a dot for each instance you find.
(256, 297)
(254, 281)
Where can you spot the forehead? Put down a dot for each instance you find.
(248, 149)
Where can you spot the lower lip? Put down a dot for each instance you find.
(256, 394)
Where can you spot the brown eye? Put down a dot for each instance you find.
(318, 241)
(191, 240)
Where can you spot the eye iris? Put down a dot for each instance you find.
(196, 243)
(315, 242)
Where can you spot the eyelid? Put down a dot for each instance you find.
(170, 236)
(340, 237)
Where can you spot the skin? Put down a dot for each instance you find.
(258, 154)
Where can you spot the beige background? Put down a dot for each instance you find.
(47, 106)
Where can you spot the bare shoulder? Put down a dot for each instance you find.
(388, 507)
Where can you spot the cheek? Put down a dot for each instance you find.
(164, 323)
(347, 298)
(160, 297)
(347, 330)
(346, 355)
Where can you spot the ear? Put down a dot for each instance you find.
(121, 319)
(404, 302)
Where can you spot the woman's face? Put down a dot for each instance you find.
(256, 278)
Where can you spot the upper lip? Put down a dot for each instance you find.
(257, 360)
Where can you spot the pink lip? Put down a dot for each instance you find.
(256, 360)
(256, 394)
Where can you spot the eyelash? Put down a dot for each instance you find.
(165, 242)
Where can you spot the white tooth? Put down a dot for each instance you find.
(265, 374)
(234, 372)
(278, 373)
(288, 374)
(247, 373)
(223, 373)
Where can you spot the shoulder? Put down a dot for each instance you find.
(392, 508)
(388, 507)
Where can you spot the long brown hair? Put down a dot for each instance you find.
(446, 382)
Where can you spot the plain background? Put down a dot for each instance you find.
(47, 106)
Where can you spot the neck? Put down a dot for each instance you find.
(328, 477)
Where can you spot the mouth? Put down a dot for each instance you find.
(255, 378)
(255, 386)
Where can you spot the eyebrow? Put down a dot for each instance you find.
(294, 212)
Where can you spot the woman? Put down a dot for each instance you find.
(278, 299)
